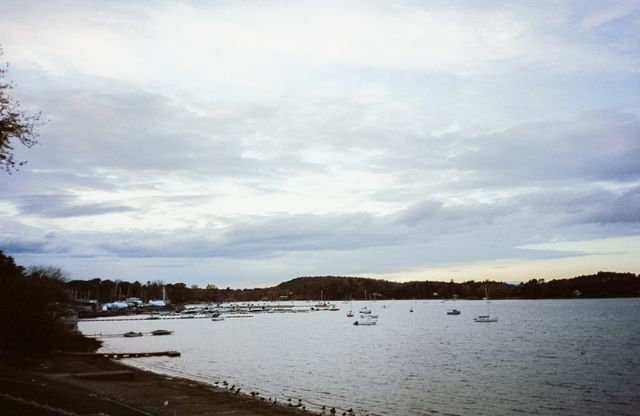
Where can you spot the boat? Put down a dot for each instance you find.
(365, 322)
(217, 318)
(132, 334)
(350, 314)
(487, 317)
(453, 312)
(365, 309)
(161, 332)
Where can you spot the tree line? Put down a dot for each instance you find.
(599, 285)
(34, 307)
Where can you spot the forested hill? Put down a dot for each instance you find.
(602, 284)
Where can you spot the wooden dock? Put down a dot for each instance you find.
(164, 318)
(119, 355)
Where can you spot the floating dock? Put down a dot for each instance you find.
(242, 315)
(119, 355)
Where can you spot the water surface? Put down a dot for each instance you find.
(560, 357)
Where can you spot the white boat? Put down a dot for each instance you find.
(365, 322)
(325, 306)
(366, 314)
(217, 318)
(487, 317)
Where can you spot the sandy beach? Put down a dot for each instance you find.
(83, 385)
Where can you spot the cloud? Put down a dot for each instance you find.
(620, 207)
(589, 146)
(61, 206)
(368, 136)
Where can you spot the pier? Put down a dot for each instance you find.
(226, 316)
(119, 355)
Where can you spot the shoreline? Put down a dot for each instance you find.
(69, 384)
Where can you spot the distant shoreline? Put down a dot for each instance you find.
(146, 311)
(340, 288)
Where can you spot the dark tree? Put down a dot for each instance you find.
(33, 311)
(15, 125)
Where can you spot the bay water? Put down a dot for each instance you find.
(543, 357)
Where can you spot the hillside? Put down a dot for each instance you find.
(600, 285)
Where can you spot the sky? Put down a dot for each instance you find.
(245, 143)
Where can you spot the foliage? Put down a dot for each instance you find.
(32, 305)
(15, 125)
(602, 284)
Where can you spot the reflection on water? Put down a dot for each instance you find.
(560, 357)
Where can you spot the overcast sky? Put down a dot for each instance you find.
(244, 143)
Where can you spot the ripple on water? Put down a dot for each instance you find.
(419, 363)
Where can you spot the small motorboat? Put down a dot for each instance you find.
(132, 334)
(217, 318)
(161, 332)
(453, 312)
(367, 320)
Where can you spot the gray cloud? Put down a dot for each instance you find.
(431, 146)
(589, 146)
(61, 206)
(503, 225)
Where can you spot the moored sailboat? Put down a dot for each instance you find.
(487, 317)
